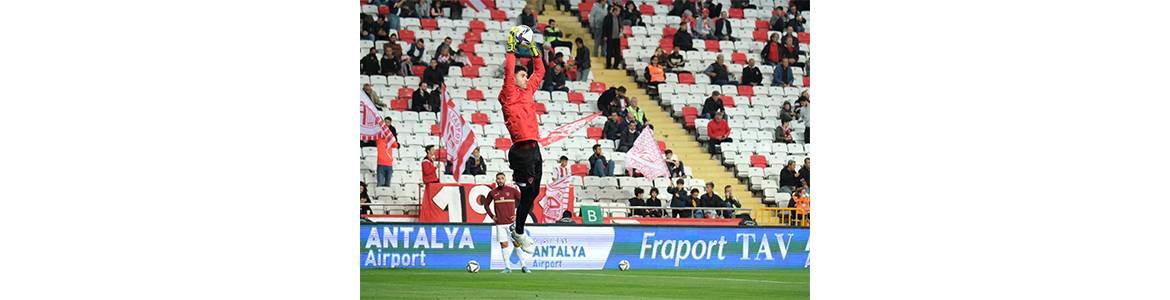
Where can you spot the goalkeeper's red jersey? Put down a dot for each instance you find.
(518, 106)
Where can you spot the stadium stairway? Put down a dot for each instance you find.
(666, 129)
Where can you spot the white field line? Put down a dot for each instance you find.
(686, 277)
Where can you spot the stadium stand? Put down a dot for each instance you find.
(751, 163)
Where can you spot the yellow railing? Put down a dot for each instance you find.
(776, 216)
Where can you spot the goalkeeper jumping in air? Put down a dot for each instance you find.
(519, 110)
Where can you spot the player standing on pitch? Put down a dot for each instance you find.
(519, 110)
(505, 198)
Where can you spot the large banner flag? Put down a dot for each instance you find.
(550, 137)
(457, 135)
(477, 5)
(373, 128)
(556, 199)
(646, 157)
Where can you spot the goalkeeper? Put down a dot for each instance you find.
(519, 111)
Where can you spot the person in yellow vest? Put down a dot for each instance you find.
(655, 75)
(638, 113)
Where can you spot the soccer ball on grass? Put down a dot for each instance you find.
(624, 265)
(472, 267)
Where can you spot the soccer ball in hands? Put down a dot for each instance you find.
(624, 265)
(472, 267)
(521, 35)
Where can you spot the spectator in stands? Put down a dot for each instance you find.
(391, 64)
(599, 166)
(447, 170)
(723, 28)
(673, 164)
(751, 74)
(636, 112)
(385, 168)
(596, 16)
(528, 18)
(729, 201)
(705, 29)
(653, 201)
(382, 34)
(718, 131)
(392, 48)
(418, 52)
(612, 130)
(378, 104)
(446, 44)
(776, 23)
(567, 218)
(628, 137)
(804, 180)
(559, 59)
(456, 8)
(796, 22)
(804, 114)
(789, 177)
(676, 62)
(563, 170)
(790, 33)
(637, 201)
(367, 27)
(370, 63)
(393, 23)
(679, 198)
(710, 199)
(745, 5)
(434, 74)
(655, 74)
(629, 119)
(407, 9)
(712, 105)
(554, 36)
(803, 96)
(682, 38)
(582, 61)
(772, 53)
(475, 164)
(631, 16)
(719, 73)
(612, 32)
(782, 75)
(419, 100)
(556, 80)
(782, 134)
(620, 102)
(712, 8)
(445, 58)
(790, 51)
(436, 11)
(461, 59)
(365, 198)
(605, 101)
(563, 5)
(800, 201)
(393, 130)
(690, 22)
(786, 112)
(429, 165)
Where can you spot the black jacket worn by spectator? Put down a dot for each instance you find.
(370, 65)
(594, 158)
(675, 62)
(582, 61)
(787, 178)
(528, 20)
(434, 76)
(556, 79)
(612, 130)
(804, 175)
(655, 203)
(679, 198)
(682, 40)
(370, 27)
(638, 202)
(605, 100)
(627, 139)
(390, 65)
(721, 72)
(712, 105)
(712, 200)
(766, 54)
(713, 9)
(418, 99)
(722, 28)
(415, 52)
(752, 74)
(475, 166)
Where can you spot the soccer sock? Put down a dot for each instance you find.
(506, 254)
(522, 255)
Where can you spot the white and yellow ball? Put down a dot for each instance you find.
(624, 265)
(472, 267)
(521, 35)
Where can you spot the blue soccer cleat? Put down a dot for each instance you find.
(525, 270)
(507, 270)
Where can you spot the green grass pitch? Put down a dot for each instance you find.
(585, 284)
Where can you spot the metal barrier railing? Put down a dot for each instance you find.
(777, 216)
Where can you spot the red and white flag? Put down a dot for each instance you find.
(477, 5)
(550, 137)
(373, 128)
(457, 135)
(646, 157)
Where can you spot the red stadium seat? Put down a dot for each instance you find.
(540, 26)
(662, 146)
(762, 25)
(436, 130)
(627, 30)
(625, 44)
(576, 98)
(805, 81)
(365, 2)
(383, 10)
(594, 133)
(479, 119)
(468, 49)
(686, 78)
(690, 111)
(489, 4)
(503, 143)
(803, 37)
(470, 72)
(584, 9)
(579, 170)
(475, 95)
(597, 87)
(760, 36)
(471, 37)
(738, 58)
(399, 105)
(540, 109)
(646, 10)
(746, 90)
(429, 24)
(418, 70)
(690, 121)
(476, 61)
(759, 161)
(735, 13)
(405, 93)
(442, 153)
(728, 101)
(668, 32)
(499, 16)
(477, 26)
(712, 46)
(406, 36)
(665, 2)
(666, 44)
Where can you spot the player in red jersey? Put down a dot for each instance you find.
(505, 213)
(519, 111)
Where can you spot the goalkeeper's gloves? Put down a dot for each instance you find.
(532, 48)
